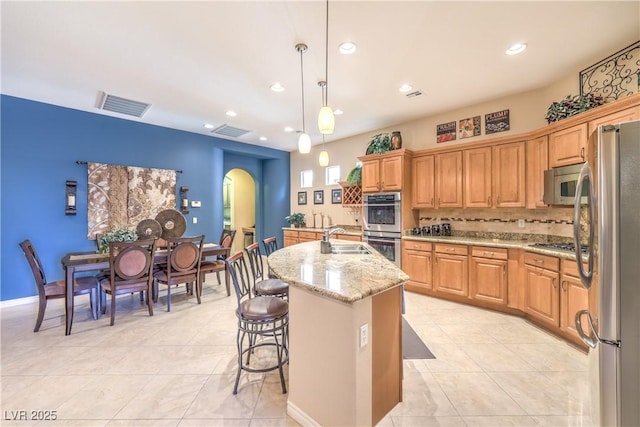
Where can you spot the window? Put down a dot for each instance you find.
(332, 175)
(306, 179)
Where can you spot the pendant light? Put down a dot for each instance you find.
(323, 160)
(304, 142)
(326, 119)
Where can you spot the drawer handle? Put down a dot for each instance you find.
(564, 285)
(489, 253)
(538, 260)
(553, 283)
(489, 200)
(451, 250)
(582, 153)
(432, 200)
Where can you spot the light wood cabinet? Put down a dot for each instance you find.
(488, 275)
(448, 181)
(451, 269)
(537, 159)
(618, 117)
(509, 175)
(477, 178)
(290, 238)
(568, 146)
(350, 237)
(542, 283)
(417, 263)
(383, 172)
(423, 177)
(573, 298)
(308, 236)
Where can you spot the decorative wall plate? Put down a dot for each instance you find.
(149, 228)
(172, 222)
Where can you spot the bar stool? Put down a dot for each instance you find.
(261, 317)
(271, 287)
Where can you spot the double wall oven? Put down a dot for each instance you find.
(382, 229)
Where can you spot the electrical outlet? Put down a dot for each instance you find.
(364, 335)
(195, 220)
(521, 223)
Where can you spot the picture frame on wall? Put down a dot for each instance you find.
(318, 197)
(302, 197)
(336, 196)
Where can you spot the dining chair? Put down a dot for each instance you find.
(130, 270)
(184, 256)
(258, 317)
(266, 287)
(51, 290)
(217, 265)
(270, 245)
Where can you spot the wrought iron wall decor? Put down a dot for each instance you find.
(615, 76)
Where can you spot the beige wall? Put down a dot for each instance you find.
(527, 111)
(243, 209)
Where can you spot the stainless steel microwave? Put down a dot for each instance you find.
(560, 185)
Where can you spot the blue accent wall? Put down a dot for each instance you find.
(40, 144)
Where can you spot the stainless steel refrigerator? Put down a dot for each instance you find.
(613, 214)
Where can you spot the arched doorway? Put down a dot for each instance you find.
(239, 196)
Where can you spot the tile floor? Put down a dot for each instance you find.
(178, 368)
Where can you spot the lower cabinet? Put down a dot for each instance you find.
(290, 238)
(488, 275)
(573, 297)
(542, 294)
(450, 269)
(351, 237)
(417, 263)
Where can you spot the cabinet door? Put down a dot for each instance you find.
(391, 173)
(488, 280)
(350, 237)
(573, 298)
(449, 180)
(537, 162)
(541, 295)
(423, 170)
(290, 237)
(619, 117)
(508, 175)
(477, 178)
(568, 146)
(371, 176)
(450, 274)
(417, 264)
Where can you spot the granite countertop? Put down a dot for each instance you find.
(350, 230)
(344, 277)
(496, 243)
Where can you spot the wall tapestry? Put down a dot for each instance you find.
(122, 196)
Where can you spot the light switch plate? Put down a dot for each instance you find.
(364, 335)
(196, 203)
(195, 219)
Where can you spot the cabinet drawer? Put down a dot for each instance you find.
(452, 249)
(418, 246)
(570, 267)
(290, 233)
(542, 261)
(488, 252)
(309, 235)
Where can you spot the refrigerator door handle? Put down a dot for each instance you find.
(593, 339)
(585, 175)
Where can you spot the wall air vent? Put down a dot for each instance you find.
(414, 94)
(120, 105)
(226, 130)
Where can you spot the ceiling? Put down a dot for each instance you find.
(193, 61)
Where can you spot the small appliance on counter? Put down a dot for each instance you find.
(435, 230)
(426, 231)
(416, 231)
(446, 229)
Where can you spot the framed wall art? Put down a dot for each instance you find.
(318, 197)
(302, 197)
(336, 196)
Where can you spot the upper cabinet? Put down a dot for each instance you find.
(385, 172)
(618, 117)
(495, 176)
(448, 180)
(568, 146)
(423, 177)
(537, 163)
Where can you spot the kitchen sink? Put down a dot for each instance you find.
(350, 249)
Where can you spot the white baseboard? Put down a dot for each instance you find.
(18, 301)
(300, 416)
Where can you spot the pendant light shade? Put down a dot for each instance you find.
(304, 143)
(324, 158)
(326, 120)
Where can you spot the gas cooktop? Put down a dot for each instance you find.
(561, 246)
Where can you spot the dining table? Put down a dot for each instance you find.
(78, 262)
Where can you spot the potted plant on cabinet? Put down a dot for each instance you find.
(296, 219)
(380, 143)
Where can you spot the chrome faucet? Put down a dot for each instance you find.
(325, 245)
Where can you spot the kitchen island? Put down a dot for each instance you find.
(345, 334)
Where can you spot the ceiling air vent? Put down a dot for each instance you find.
(414, 94)
(226, 130)
(120, 105)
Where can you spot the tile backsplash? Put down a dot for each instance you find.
(552, 221)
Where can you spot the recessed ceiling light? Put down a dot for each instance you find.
(277, 87)
(347, 48)
(516, 49)
(231, 113)
(263, 138)
(338, 112)
(208, 126)
(288, 129)
(405, 88)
